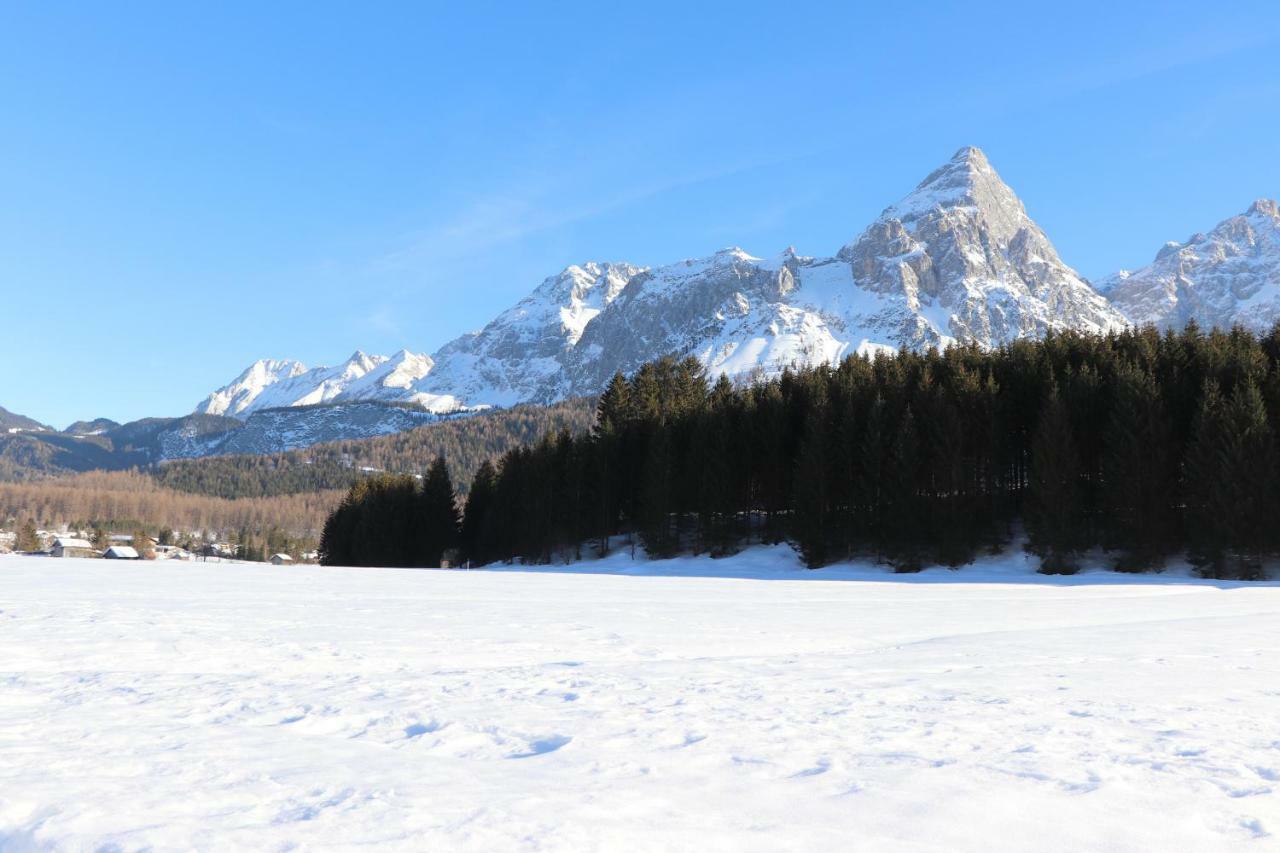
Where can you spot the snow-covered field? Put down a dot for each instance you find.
(178, 706)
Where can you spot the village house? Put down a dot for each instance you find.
(120, 552)
(66, 546)
(281, 560)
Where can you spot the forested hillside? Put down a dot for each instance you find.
(465, 441)
(1140, 443)
(126, 500)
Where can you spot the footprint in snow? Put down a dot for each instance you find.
(822, 766)
(543, 746)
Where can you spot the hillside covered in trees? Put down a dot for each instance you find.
(465, 441)
(124, 500)
(1142, 444)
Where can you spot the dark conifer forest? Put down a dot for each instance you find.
(1138, 445)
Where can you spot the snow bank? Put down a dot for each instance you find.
(249, 707)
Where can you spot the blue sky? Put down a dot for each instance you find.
(186, 189)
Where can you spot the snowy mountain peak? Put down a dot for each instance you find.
(970, 264)
(240, 393)
(272, 384)
(1227, 277)
(1265, 207)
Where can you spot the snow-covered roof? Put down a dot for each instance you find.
(69, 542)
(284, 558)
(121, 552)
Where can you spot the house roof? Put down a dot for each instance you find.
(121, 552)
(70, 542)
(282, 557)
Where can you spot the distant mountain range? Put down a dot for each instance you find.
(102, 444)
(957, 259)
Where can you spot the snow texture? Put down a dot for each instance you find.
(690, 704)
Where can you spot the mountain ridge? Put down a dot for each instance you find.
(956, 259)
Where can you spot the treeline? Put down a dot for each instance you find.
(465, 442)
(1141, 444)
(122, 500)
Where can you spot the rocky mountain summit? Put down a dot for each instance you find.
(1230, 276)
(269, 384)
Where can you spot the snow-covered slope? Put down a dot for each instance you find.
(1226, 277)
(270, 384)
(730, 704)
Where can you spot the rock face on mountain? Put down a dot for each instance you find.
(1227, 277)
(968, 264)
(520, 355)
(268, 384)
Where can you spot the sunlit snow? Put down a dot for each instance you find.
(692, 704)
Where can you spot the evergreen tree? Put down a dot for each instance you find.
(904, 520)
(1053, 507)
(1138, 473)
(614, 408)
(438, 515)
(1230, 471)
(657, 531)
(869, 488)
(476, 516)
(28, 538)
(142, 544)
(810, 519)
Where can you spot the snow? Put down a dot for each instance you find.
(737, 704)
(270, 384)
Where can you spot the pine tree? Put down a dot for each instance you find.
(868, 489)
(904, 517)
(1230, 471)
(1138, 473)
(614, 408)
(437, 515)
(142, 544)
(1053, 506)
(810, 514)
(476, 516)
(656, 530)
(28, 538)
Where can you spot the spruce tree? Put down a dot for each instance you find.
(1053, 506)
(1230, 473)
(810, 513)
(476, 516)
(869, 488)
(28, 538)
(1138, 473)
(904, 518)
(656, 530)
(438, 515)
